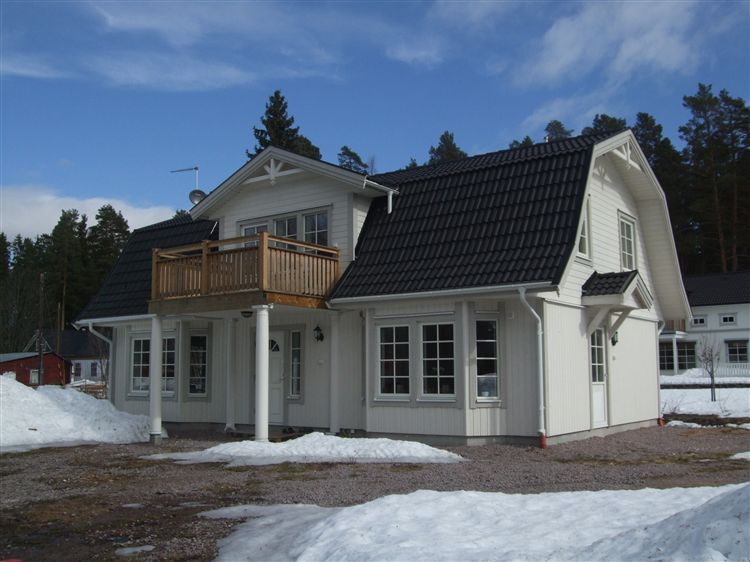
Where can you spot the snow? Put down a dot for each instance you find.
(724, 374)
(741, 456)
(316, 447)
(131, 550)
(677, 423)
(673, 524)
(85, 382)
(730, 402)
(55, 416)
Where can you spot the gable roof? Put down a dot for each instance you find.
(508, 217)
(73, 343)
(127, 289)
(718, 288)
(8, 357)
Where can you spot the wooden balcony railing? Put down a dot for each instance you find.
(261, 262)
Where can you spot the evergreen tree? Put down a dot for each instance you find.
(412, 164)
(527, 141)
(278, 130)
(446, 150)
(604, 123)
(179, 213)
(106, 240)
(555, 130)
(4, 257)
(351, 160)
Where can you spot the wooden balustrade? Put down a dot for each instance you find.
(260, 262)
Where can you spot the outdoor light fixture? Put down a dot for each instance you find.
(246, 313)
(318, 334)
(614, 339)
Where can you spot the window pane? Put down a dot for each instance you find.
(430, 385)
(486, 349)
(429, 332)
(446, 331)
(486, 367)
(446, 386)
(485, 330)
(446, 350)
(402, 334)
(430, 368)
(402, 351)
(386, 385)
(430, 350)
(402, 368)
(386, 351)
(487, 387)
(386, 334)
(402, 385)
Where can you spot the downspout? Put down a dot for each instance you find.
(539, 366)
(108, 341)
(661, 325)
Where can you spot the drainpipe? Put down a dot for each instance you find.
(108, 341)
(539, 366)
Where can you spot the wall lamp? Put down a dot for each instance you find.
(318, 334)
(614, 339)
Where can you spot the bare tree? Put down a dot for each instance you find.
(708, 356)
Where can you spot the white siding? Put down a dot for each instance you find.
(567, 370)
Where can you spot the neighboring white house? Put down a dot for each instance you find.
(508, 295)
(720, 304)
(87, 354)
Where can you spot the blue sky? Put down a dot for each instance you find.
(99, 100)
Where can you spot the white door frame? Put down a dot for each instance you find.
(599, 392)
(276, 376)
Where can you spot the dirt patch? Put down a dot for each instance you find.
(705, 419)
(70, 503)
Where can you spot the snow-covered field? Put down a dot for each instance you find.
(724, 374)
(54, 416)
(673, 524)
(316, 447)
(730, 402)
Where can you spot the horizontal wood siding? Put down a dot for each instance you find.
(567, 370)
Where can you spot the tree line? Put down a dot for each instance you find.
(707, 183)
(51, 278)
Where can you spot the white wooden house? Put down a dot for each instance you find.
(516, 294)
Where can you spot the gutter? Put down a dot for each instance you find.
(113, 319)
(110, 349)
(445, 293)
(539, 366)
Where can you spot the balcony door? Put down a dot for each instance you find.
(276, 377)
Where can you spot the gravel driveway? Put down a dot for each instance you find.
(84, 503)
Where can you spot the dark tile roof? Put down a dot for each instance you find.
(494, 219)
(718, 288)
(73, 343)
(127, 289)
(607, 283)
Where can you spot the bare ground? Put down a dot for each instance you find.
(77, 503)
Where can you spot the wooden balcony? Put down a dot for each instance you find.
(236, 273)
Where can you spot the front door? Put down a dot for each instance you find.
(598, 379)
(276, 377)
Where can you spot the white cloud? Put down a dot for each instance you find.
(423, 52)
(475, 15)
(574, 111)
(29, 66)
(31, 209)
(167, 71)
(617, 40)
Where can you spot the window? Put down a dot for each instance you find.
(727, 319)
(198, 380)
(488, 375)
(295, 380)
(583, 236)
(141, 360)
(287, 228)
(94, 370)
(77, 370)
(737, 351)
(394, 360)
(316, 228)
(699, 321)
(34, 376)
(627, 244)
(252, 231)
(597, 356)
(438, 374)
(686, 355)
(666, 357)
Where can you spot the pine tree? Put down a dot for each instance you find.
(412, 164)
(4, 257)
(555, 130)
(527, 141)
(604, 123)
(278, 130)
(106, 240)
(351, 160)
(446, 150)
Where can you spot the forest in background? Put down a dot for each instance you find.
(48, 280)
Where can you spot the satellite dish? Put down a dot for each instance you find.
(196, 196)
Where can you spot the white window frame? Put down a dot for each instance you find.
(165, 364)
(628, 260)
(496, 358)
(206, 365)
(687, 358)
(422, 359)
(394, 360)
(598, 356)
(728, 319)
(584, 234)
(34, 377)
(699, 321)
(316, 232)
(666, 356)
(737, 356)
(295, 377)
(258, 227)
(269, 222)
(93, 370)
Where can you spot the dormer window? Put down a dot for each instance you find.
(627, 243)
(584, 237)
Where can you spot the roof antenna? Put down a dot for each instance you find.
(196, 195)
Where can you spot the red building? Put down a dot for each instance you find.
(26, 368)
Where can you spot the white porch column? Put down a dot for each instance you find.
(334, 390)
(154, 387)
(261, 371)
(229, 351)
(675, 356)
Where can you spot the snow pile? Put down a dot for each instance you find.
(53, 415)
(730, 402)
(741, 456)
(677, 423)
(731, 373)
(316, 447)
(672, 524)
